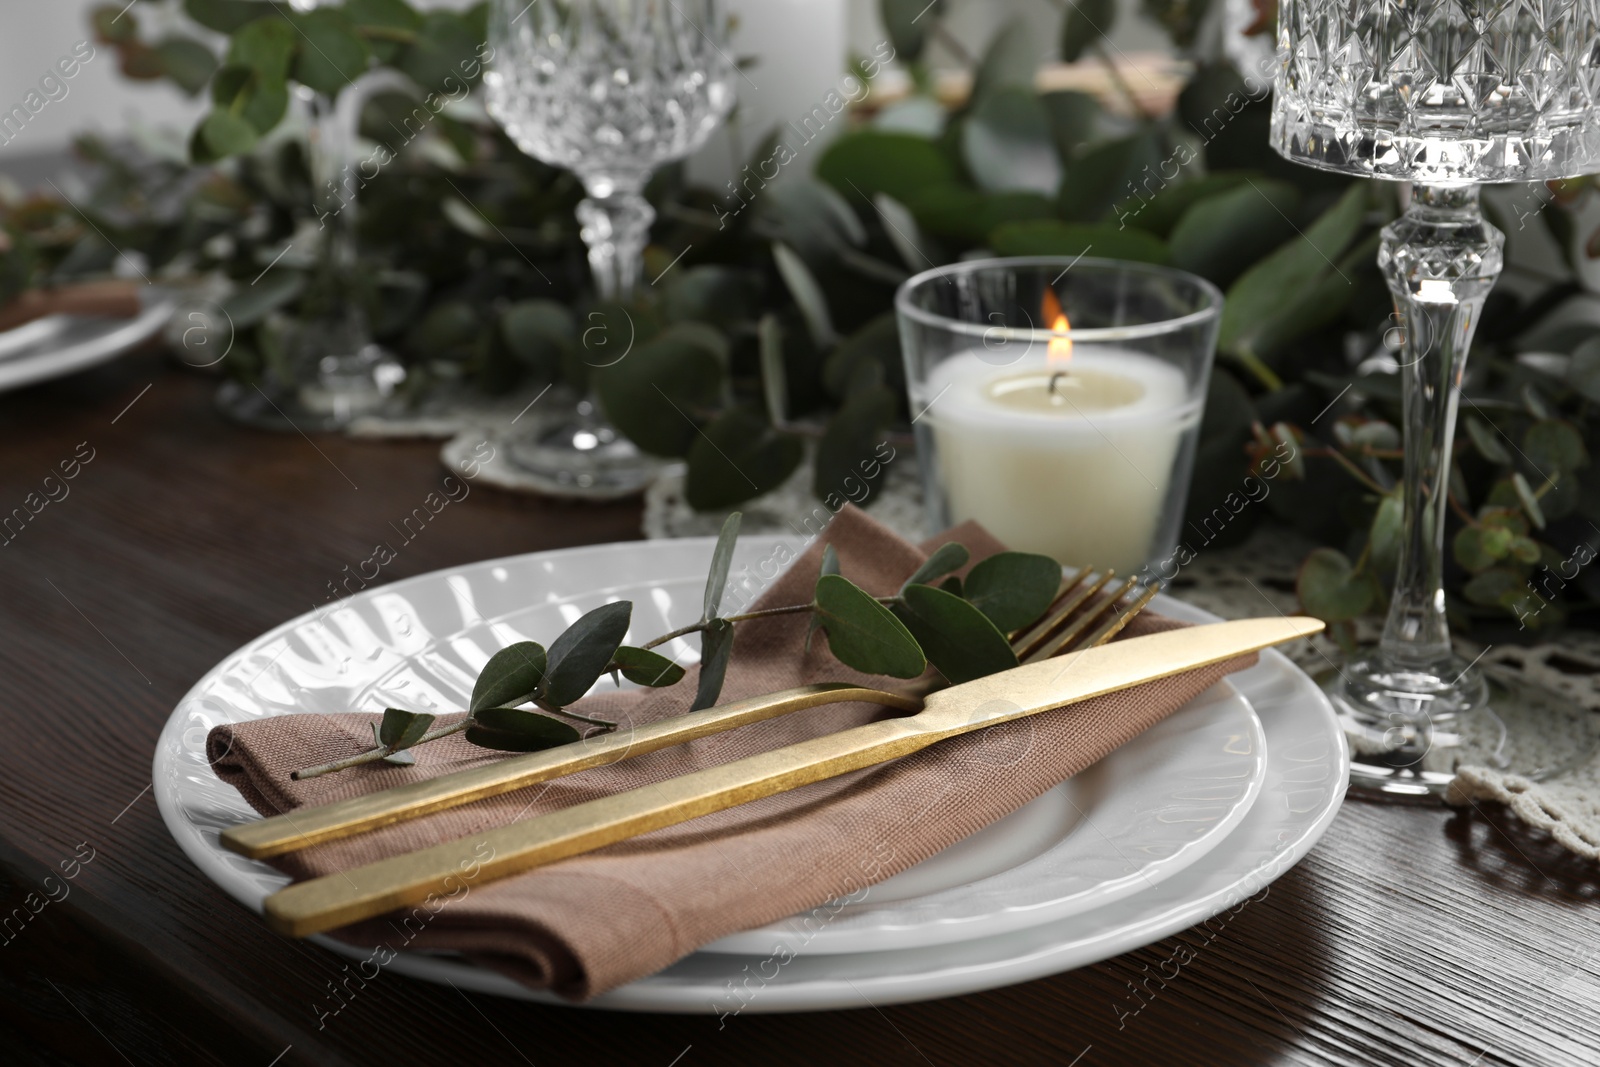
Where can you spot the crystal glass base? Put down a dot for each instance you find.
(584, 456)
(1410, 731)
(342, 389)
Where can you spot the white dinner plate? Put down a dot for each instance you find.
(57, 345)
(1135, 819)
(420, 642)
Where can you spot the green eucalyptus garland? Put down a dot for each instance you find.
(768, 332)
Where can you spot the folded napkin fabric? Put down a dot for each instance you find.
(111, 298)
(592, 922)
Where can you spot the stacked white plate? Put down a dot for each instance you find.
(58, 345)
(1192, 817)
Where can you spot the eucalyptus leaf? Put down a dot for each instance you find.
(1554, 446)
(774, 376)
(250, 96)
(517, 730)
(1535, 403)
(1221, 236)
(226, 134)
(878, 341)
(655, 390)
(1084, 24)
(540, 334)
(961, 214)
(1330, 588)
(961, 641)
(1529, 501)
(1583, 373)
(248, 305)
(864, 634)
(1384, 534)
(909, 23)
(401, 729)
(1477, 548)
(1048, 237)
(579, 656)
(900, 225)
(1074, 117)
(1266, 291)
(950, 556)
(401, 758)
(443, 51)
(1013, 588)
(386, 23)
(1105, 174)
(512, 676)
(807, 294)
(863, 163)
(187, 62)
(738, 456)
(1159, 212)
(716, 646)
(702, 335)
(644, 667)
(227, 16)
(721, 564)
(1007, 143)
(846, 465)
(830, 565)
(332, 55)
(1009, 62)
(715, 294)
(266, 47)
(1500, 587)
(114, 25)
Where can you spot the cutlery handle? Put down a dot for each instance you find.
(345, 897)
(330, 822)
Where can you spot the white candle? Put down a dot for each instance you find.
(1071, 460)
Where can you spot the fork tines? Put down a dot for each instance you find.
(1068, 619)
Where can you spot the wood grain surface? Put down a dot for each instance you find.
(1411, 935)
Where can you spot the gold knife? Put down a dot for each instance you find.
(345, 897)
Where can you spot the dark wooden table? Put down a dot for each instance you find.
(1411, 935)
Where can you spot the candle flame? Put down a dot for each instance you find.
(1060, 349)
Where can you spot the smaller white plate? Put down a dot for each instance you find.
(1131, 821)
(58, 345)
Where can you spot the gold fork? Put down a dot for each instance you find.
(1061, 629)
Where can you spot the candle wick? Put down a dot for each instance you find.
(1053, 379)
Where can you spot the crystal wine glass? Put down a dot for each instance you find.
(335, 372)
(611, 90)
(1444, 95)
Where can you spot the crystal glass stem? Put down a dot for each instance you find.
(583, 455)
(1441, 259)
(615, 223)
(333, 372)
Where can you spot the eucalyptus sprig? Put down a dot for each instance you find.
(959, 627)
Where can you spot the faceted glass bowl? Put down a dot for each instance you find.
(1439, 90)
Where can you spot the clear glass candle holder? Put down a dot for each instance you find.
(1057, 401)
